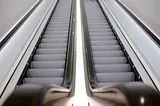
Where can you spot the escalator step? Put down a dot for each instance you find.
(100, 30)
(55, 32)
(49, 57)
(55, 36)
(101, 33)
(51, 51)
(112, 68)
(109, 60)
(54, 45)
(115, 77)
(107, 53)
(47, 64)
(106, 47)
(44, 81)
(54, 40)
(109, 84)
(96, 38)
(45, 73)
(110, 42)
(57, 28)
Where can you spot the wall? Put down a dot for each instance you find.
(11, 11)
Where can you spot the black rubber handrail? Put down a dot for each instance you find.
(33, 95)
(70, 49)
(27, 95)
(14, 29)
(130, 94)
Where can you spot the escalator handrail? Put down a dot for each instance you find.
(130, 94)
(33, 95)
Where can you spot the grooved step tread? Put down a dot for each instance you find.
(44, 73)
(105, 47)
(115, 77)
(101, 38)
(49, 57)
(102, 68)
(110, 84)
(44, 81)
(51, 51)
(107, 53)
(47, 64)
(108, 42)
(109, 60)
(55, 45)
(54, 40)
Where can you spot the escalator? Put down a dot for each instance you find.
(109, 63)
(50, 65)
(112, 75)
(49, 55)
(49, 62)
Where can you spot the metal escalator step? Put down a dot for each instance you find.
(49, 57)
(106, 47)
(101, 30)
(44, 40)
(47, 64)
(109, 42)
(54, 45)
(56, 36)
(101, 33)
(115, 77)
(44, 81)
(99, 23)
(98, 38)
(50, 29)
(95, 24)
(51, 51)
(58, 22)
(100, 20)
(45, 73)
(107, 53)
(59, 18)
(60, 15)
(52, 26)
(57, 28)
(109, 84)
(95, 18)
(57, 25)
(99, 27)
(112, 68)
(109, 60)
(56, 32)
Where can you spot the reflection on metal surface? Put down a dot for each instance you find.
(142, 100)
(80, 88)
